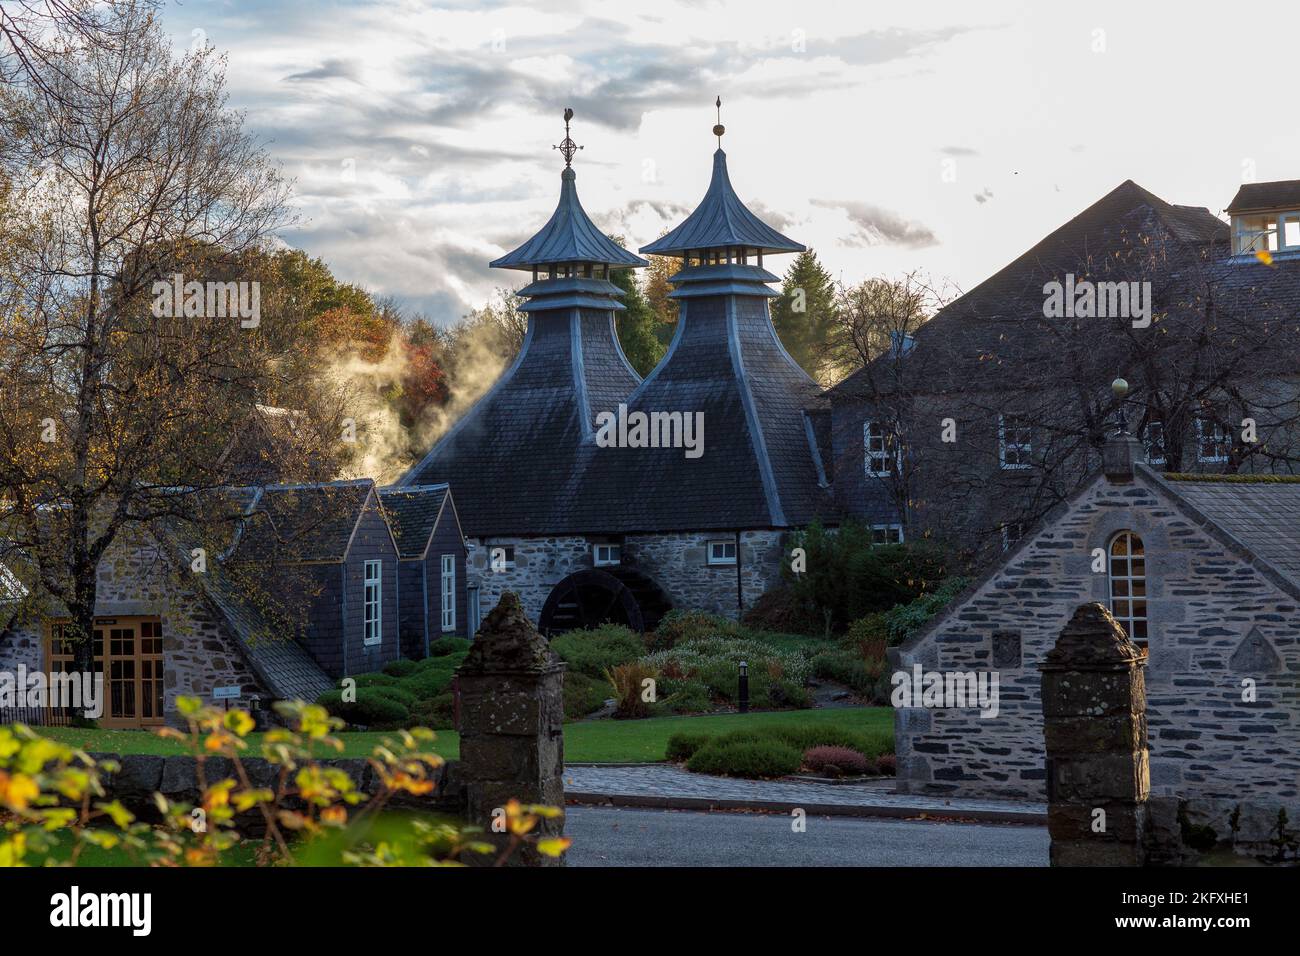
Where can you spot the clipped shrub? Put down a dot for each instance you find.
(582, 695)
(371, 708)
(436, 713)
(400, 668)
(887, 765)
(837, 761)
(595, 651)
(755, 759)
(448, 645)
(805, 737)
(677, 627)
(375, 679)
(627, 681)
(682, 746)
(429, 682)
(403, 695)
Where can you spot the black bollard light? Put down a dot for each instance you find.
(743, 697)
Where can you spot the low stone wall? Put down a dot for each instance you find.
(1182, 832)
(176, 777)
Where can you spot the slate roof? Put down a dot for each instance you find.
(1263, 515)
(413, 514)
(282, 665)
(995, 333)
(758, 468)
(1258, 197)
(514, 457)
(721, 220)
(568, 236)
(311, 522)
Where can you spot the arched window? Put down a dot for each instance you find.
(1128, 585)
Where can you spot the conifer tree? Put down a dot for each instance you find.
(804, 313)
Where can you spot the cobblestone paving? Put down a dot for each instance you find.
(658, 780)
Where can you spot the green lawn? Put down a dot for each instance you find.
(588, 741)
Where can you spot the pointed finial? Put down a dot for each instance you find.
(567, 147)
(719, 129)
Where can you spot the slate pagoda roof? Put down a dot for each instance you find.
(720, 221)
(569, 236)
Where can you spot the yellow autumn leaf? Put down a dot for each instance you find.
(239, 723)
(17, 791)
(553, 846)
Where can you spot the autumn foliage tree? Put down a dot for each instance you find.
(123, 169)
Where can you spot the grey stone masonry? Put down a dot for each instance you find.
(677, 562)
(1223, 701)
(1094, 726)
(135, 578)
(511, 728)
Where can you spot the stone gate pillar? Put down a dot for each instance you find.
(1094, 720)
(511, 726)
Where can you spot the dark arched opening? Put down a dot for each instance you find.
(598, 596)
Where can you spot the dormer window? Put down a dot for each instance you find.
(1266, 218)
(1271, 232)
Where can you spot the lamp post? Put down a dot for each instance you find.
(742, 699)
(1119, 388)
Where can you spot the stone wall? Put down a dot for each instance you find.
(1215, 620)
(136, 579)
(677, 563)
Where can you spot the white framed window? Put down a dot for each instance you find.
(1153, 437)
(1213, 441)
(886, 534)
(1128, 585)
(501, 557)
(1267, 231)
(605, 555)
(373, 603)
(448, 592)
(1015, 443)
(883, 456)
(722, 552)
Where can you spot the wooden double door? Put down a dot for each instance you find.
(128, 653)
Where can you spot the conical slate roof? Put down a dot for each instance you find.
(721, 220)
(568, 237)
(514, 458)
(761, 466)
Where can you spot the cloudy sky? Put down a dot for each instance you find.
(946, 137)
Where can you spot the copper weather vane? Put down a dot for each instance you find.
(567, 147)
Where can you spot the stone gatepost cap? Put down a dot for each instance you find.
(507, 641)
(1093, 640)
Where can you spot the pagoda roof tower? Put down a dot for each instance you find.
(766, 422)
(515, 457)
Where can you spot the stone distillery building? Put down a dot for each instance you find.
(1203, 571)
